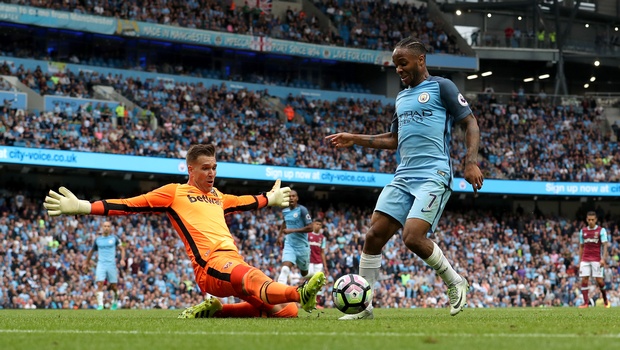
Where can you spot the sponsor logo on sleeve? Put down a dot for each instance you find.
(462, 100)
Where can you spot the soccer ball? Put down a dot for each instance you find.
(351, 294)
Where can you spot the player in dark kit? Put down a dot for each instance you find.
(592, 257)
(318, 262)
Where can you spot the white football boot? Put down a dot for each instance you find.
(458, 296)
(367, 314)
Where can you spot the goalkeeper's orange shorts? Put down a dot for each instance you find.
(215, 277)
(223, 278)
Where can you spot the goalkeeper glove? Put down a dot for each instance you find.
(65, 202)
(278, 197)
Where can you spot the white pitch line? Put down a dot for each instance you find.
(328, 334)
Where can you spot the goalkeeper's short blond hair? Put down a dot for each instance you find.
(196, 151)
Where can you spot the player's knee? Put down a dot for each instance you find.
(415, 242)
(255, 277)
(381, 230)
(238, 277)
(375, 240)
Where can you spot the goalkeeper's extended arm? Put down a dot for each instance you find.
(65, 203)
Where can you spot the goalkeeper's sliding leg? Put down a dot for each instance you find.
(228, 275)
(213, 308)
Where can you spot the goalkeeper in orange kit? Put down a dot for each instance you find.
(197, 210)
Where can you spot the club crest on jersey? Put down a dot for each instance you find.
(295, 215)
(424, 97)
(462, 100)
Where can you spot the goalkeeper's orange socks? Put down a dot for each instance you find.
(278, 293)
(246, 310)
(256, 283)
(290, 310)
(238, 310)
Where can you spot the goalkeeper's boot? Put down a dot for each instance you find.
(309, 290)
(608, 304)
(99, 307)
(114, 305)
(367, 314)
(458, 296)
(206, 309)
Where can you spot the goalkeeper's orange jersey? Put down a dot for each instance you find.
(198, 217)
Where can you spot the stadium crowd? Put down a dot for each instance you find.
(516, 259)
(526, 138)
(367, 25)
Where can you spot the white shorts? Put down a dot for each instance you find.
(590, 269)
(314, 268)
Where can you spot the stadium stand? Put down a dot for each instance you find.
(514, 259)
(189, 113)
(359, 25)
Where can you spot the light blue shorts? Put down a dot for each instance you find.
(299, 256)
(410, 198)
(103, 272)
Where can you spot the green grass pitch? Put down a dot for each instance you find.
(522, 329)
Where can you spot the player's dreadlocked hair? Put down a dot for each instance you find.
(413, 44)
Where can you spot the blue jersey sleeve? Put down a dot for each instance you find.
(604, 237)
(580, 236)
(95, 247)
(453, 100)
(305, 215)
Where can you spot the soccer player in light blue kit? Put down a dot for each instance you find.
(416, 197)
(106, 245)
(294, 231)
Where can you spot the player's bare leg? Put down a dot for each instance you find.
(382, 228)
(414, 236)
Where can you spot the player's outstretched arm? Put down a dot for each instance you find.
(389, 140)
(65, 203)
(278, 196)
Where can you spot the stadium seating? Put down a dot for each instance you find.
(511, 260)
(522, 139)
(362, 25)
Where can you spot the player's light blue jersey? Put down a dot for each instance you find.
(106, 246)
(297, 218)
(424, 117)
